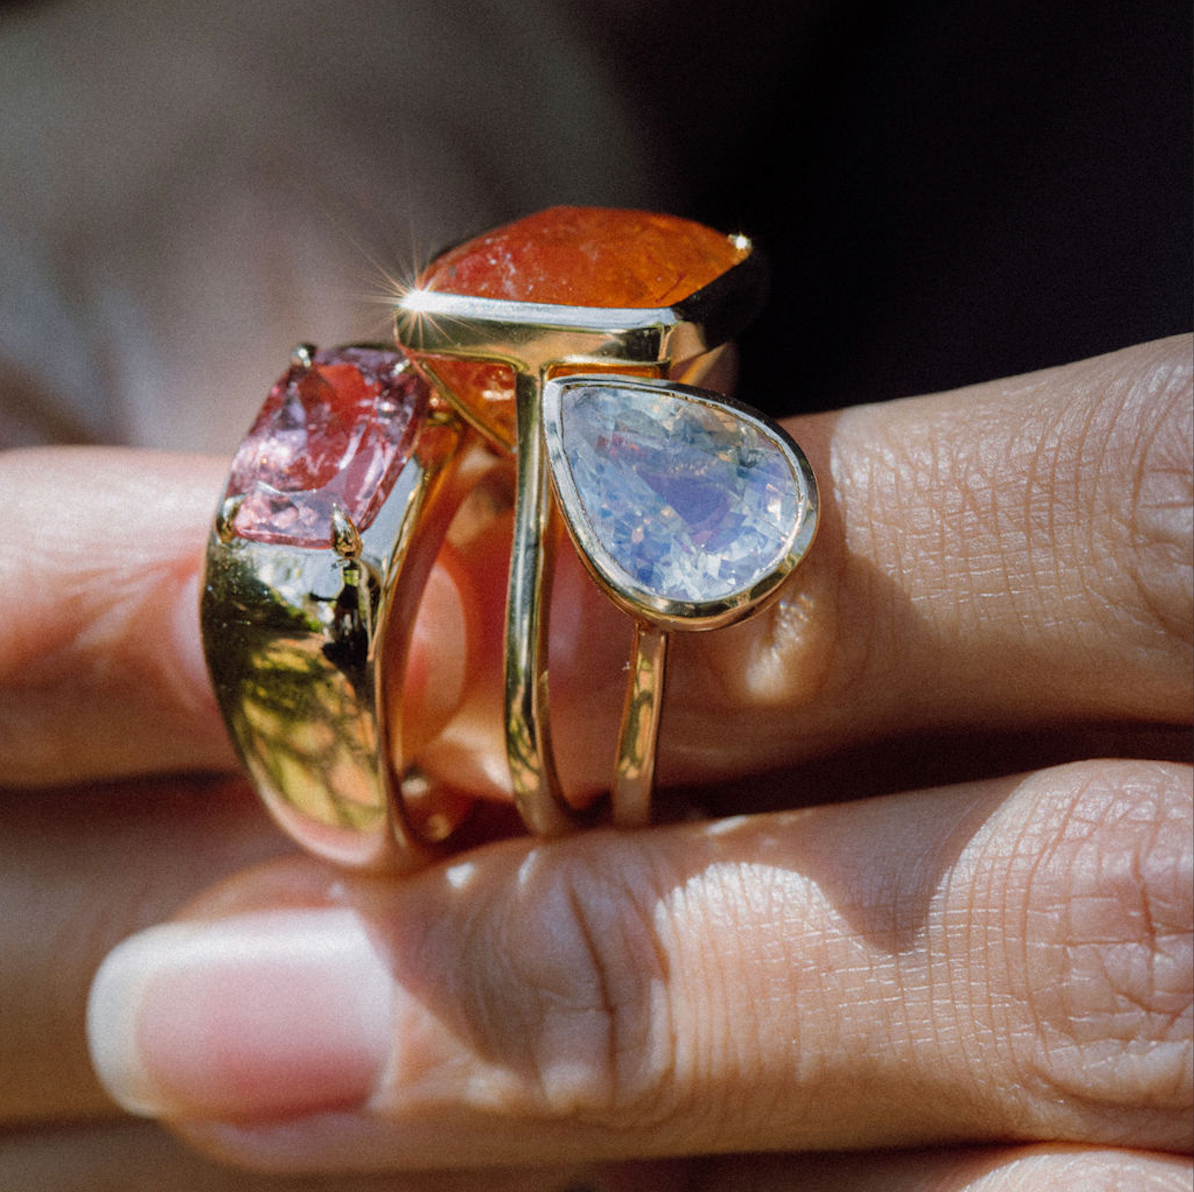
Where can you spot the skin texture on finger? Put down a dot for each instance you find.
(1009, 960)
(1060, 536)
(1012, 556)
(101, 671)
(1022, 1169)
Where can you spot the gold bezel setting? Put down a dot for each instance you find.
(543, 343)
(609, 572)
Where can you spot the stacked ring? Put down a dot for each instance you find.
(569, 339)
(564, 338)
(335, 508)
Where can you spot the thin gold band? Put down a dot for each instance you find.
(537, 791)
(638, 736)
(536, 341)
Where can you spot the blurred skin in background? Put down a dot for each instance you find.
(946, 198)
(947, 195)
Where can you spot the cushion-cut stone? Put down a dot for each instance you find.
(336, 432)
(575, 256)
(692, 502)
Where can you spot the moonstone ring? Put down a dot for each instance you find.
(569, 338)
(334, 510)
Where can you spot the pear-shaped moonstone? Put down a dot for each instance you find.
(691, 501)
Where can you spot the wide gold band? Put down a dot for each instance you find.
(307, 649)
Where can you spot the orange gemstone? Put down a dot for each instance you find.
(587, 256)
(575, 256)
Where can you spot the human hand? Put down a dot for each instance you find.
(986, 960)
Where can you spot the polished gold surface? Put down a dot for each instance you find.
(537, 791)
(295, 640)
(537, 340)
(638, 737)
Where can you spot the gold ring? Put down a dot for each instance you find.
(566, 338)
(336, 505)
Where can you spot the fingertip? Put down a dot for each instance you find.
(273, 1013)
(117, 993)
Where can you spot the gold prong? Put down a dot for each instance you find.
(226, 516)
(302, 355)
(346, 538)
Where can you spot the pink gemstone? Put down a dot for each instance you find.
(335, 433)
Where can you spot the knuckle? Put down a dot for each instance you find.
(570, 992)
(1108, 919)
(1160, 515)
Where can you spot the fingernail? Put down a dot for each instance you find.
(272, 1014)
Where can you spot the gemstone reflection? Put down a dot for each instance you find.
(691, 501)
(334, 433)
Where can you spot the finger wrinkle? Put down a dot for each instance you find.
(925, 505)
(1104, 938)
(549, 994)
(733, 1002)
(1160, 515)
(1133, 483)
(987, 532)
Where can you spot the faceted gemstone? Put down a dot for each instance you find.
(577, 256)
(587, 256)
(691, 501)
(335, 433)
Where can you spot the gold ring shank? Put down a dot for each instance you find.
(537, 790)
(638, 737)
(301, 643)
(539, 341)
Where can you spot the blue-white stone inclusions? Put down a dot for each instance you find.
(692, 502)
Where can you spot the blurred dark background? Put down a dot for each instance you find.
(947, 192)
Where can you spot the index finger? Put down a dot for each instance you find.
(101, 670)
(1017, 553)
